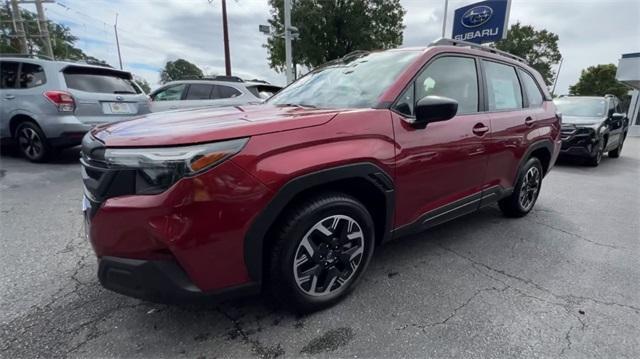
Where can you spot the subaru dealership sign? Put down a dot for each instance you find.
(481, 22)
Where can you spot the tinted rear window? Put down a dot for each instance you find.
(99, 81)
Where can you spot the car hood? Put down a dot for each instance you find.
(581, 120)
(208, 124)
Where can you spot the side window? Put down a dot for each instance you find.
(31, 75)
(199, 92)
(453, 77)
(503, 87)
(533, 91)
(8, 74)
(225, 92)
(172, 93)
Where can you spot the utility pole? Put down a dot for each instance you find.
(555, 82)
(444, 17)
(115, 29)
(225, 31)
(18, 24)
(287, 41)
(44, 28)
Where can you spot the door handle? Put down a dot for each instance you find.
(480, 129)
(9, 97)
(528, 121)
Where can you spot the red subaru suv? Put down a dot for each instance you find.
(295, 194)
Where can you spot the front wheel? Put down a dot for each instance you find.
(320, 252)
(616, 153)
(594, 160)
(526, 192)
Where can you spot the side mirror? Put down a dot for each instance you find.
(434, 109)
(618, 116)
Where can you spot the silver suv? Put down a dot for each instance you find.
(48, 105)
(216, 91)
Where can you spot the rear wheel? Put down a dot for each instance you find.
(526, 192)
(32, 142)
(321, 251)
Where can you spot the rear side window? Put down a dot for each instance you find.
(171, 93)
(225, 92)
(199, 92)
(263, 92)
(503, 87)
(8, 74)
(452, 77)
(31, 75)
(534, 96)
(98, 81)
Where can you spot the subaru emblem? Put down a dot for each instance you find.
(476, 16)
(119, 98)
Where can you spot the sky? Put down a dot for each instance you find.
(152, 32)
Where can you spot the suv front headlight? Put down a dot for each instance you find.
(159, 167)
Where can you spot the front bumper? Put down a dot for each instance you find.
(161, 281)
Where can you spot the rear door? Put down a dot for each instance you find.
(514, 124)
(8, 83)
(104, 94)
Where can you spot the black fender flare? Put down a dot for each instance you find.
(546, 144)
(255, 237)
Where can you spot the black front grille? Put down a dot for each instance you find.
(567, 131)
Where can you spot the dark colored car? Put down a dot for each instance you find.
(592, 126)
(295, 194)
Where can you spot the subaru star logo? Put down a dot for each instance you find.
(119, 98)
(476, 16)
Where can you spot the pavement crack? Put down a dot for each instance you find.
(596, 243)
(258, 348)
(570, 298)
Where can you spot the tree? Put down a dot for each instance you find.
(179, 70)
(142, 83)
(331, 29)
(539, 48)
(599, 80)
(62, 41)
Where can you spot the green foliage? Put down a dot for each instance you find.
(599, 80)
(62, 41)
(144, 84)
(539, 48)
(179, 70)
(331, 29)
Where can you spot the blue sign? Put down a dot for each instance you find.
(481, 22)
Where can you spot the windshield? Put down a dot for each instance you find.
(99, 81)
(582, 107)
(354, 81)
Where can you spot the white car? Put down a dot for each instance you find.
(216, 92)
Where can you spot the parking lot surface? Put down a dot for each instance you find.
(561, 282)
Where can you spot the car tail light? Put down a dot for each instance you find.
(63, 100)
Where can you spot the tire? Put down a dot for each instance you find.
(594, 161)
(318, 256)
(32, 142)
(616, 153)
(526, 192)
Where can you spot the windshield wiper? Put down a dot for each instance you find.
(124, 92)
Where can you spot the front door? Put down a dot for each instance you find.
(440, 169)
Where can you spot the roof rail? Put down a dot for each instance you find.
(223, 78)
(34, 56)
(450, 42)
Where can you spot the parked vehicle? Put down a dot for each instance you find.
(216, 92)
(48, 105)
(294, 195)
(592, 126)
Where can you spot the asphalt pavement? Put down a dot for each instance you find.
(561, 282)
